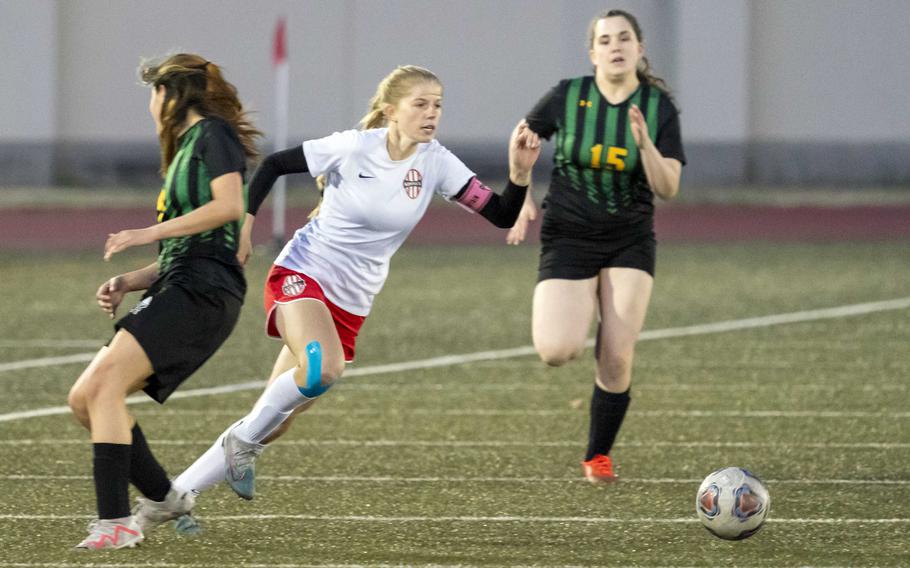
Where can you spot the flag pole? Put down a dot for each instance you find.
(280, 65)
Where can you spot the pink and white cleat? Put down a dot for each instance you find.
(112, 534)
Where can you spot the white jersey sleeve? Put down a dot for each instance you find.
(327, 154)
(451, 174)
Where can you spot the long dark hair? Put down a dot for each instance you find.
(193, 82)
(644, 72)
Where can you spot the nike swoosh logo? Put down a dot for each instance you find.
(360, 175)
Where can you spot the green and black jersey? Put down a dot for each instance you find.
(208, 150)
(598, 184)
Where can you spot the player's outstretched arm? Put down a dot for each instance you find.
(502, 209)
(525, 140)
(524, 149)
(290, 161)
(226, 206)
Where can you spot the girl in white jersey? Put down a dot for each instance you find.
(378, 183)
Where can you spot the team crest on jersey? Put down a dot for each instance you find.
(141, 305)
(412, 183)
(293, 285)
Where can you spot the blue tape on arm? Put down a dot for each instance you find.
(314, 385)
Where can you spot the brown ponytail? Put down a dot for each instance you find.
(193, 82)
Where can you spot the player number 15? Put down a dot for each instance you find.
(615, 157)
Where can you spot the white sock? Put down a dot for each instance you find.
(206, 471)
(277, 403)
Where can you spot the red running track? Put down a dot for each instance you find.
(41, 229)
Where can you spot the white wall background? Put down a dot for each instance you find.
(830, 69)
(744, 72)
(496, 57)
(28, 87)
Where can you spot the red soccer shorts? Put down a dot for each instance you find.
(284, 286)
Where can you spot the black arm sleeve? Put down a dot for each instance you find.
(501, 210)
(290, 161)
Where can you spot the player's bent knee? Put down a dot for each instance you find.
(100, 384)
(86, 390)
(557, 355)
(77, 403)
(332, 371)
(317, 376)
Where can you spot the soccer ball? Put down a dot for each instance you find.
(732, 503)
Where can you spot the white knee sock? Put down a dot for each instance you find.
(206, 471)
(276, 403)
(273, 407)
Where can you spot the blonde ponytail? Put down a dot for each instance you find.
(373, 119)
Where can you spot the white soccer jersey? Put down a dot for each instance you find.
(370, 205)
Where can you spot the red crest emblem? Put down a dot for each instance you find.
(412, 183)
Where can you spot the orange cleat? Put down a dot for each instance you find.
(599, 470)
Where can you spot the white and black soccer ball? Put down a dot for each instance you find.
(732, 503)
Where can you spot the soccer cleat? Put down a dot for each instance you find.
(599, 469)
(149, 514)
(240, 464)
(112, 534)
(187, 525)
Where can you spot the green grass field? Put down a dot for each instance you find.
(478, 463)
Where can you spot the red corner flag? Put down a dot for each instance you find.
(282, 96)
(280, 49)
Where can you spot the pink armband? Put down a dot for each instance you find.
(476, 195)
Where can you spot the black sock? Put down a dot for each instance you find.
(607, 412)
(145, 472)
(112, 480)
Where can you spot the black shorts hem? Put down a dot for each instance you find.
(570, 259)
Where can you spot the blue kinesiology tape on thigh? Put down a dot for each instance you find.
(314, 385)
